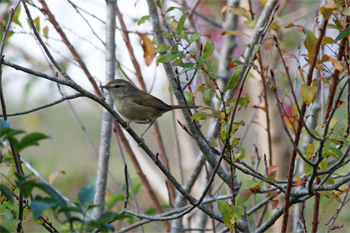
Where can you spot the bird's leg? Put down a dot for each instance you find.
(146, 129)
(128, 125)
(137, 121)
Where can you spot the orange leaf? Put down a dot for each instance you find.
(256, 189)
(275, 203)
(290, 118)
(231, 65)
(54, 175)
(148, 49)
(340, 103)
(298, 181)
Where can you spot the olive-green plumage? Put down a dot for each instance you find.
(136, 105)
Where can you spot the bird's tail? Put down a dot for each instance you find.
(184, 106)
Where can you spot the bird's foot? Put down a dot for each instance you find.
(142, 141)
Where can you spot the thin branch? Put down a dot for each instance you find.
(45, 9)
(107, 119)
(66, 97)
(143, 178)
(6, 30)
(43, 45)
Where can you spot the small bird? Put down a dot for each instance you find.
(136, 105)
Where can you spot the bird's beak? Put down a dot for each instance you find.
(103, 87)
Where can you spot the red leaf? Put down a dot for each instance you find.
(271, 169)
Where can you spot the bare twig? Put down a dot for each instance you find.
(65, 40)
(66, 97)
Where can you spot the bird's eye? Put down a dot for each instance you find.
(116, 86)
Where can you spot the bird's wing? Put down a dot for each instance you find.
(151, 101)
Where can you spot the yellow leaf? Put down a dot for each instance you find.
(174, 24)
(223, 12)
(311, 148)
(336, 63)
(148, 49)
(46, 32)
(327, 40)
(333, 122)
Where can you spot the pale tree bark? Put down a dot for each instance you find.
(107, 119)
(311, 122)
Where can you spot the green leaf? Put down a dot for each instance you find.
(86, 194)
(167, 57)
(53, 193)
(5, 191)
(226, 211)
(314, 132)
(200, 61)
(308, 93)
(38, 207)
(207, 95)
(143, 19)
(27, 187)
(310, 43)
(343, 34)
(238, 63)
(327, 145)
(31, 140)
(195, 37)
(241, 154)
(173, 8)
(8, 133)
(336, 151)
(189, 98)
(249, 184)
(208, 49)
(187, 65)
(308, 169)
(323, 164)
(255, 50)
(202, 116)
(174, 49)
(46, 32)
(270, 180)
(167, 34)
(161, 48)
(3, 229)
(243, 196)
(326, 12)
(16, 18)
(234, 79)
(237, 214)
(180, 26)
(111, 217)
(37, 23)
